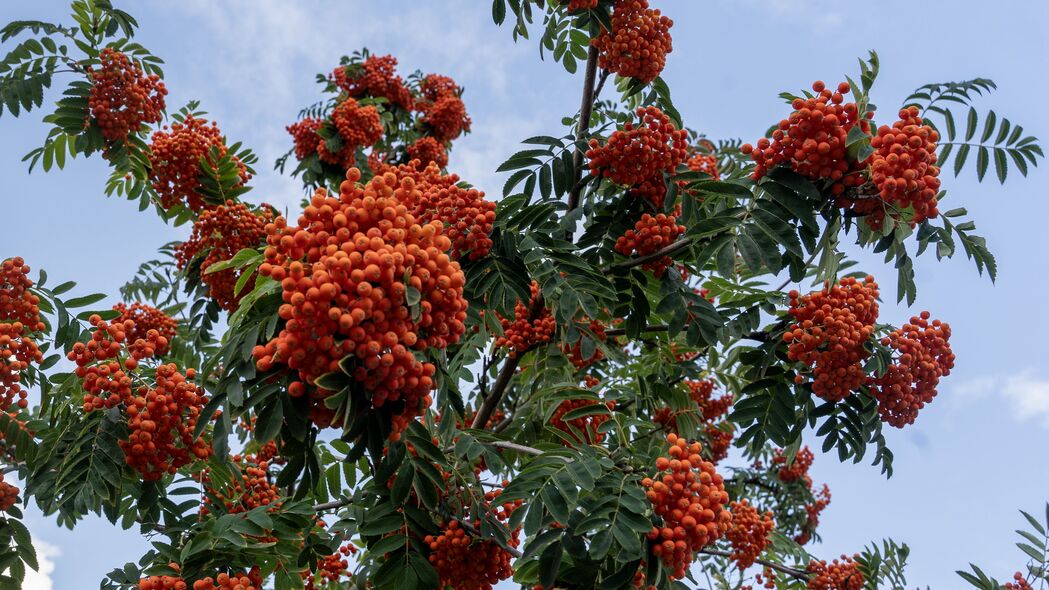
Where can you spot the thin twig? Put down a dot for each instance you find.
(796, 573)
(667, 250)
(505, 444)
(332, 505)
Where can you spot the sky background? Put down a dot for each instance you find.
(973, 458)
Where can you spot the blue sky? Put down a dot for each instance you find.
(962, 470)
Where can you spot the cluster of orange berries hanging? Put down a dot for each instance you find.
(843, 574)
(145, 318)
(527, 330)
(651, 233)
(638, 44)
(123, 97)
(251, 580)
(749, 534)
(175, 157)
(19, 320)
(831, 330)
(332, 570)
(719, 433)
(465, 562)
(690, 498)
(637, 153)
(797, 471)
(162, 417)
(249, 491)
(923, 356)
(362, 278)
(8, 495)
(218, 234)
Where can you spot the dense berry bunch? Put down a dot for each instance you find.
(218, 234)
(161, 418)
(577, 5)
(638, 43)
(446, 117)
(719, 440)
(527, 330)
(468, 218)
(705, 163)
(903, 169)
(377, 77)
(702, 393)
(123, 97)
(638, 153)
(175, 156)
(304, 136)
(798, 469)
(830, 333)
(435, 87)
(358, 126)
(583, 429)
(331, 570)
(749, 533)
(161, 422)
(345, 271)
(428, 150)
(837, 575)
(147, 318)
(251, 490)
(467, 563)
(690, 497)
(19, 318)
(650, 234)
(8, 495)
(238, 581)
(812, 139)
(923, 355)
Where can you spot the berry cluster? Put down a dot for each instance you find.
(650, 234)
(304, 136)
(577, 5)
(175, 161)
(812, 514)
(749, 533)
(428, 150)
(19, 318)
(705, 163)
(332, 570)
(638, 44)
(903, 169)
(526, 332)
(345, 270)
(798, 469)
(376, 76)
(574, 352)
(837, 575)
(218, 234)
(923, 356)
(144, 319)
(583, 429)
(358, 126)
(8, 495)
(161, 419)
(690, 497)
(812, 140)
(1019, 583)
(253, 489)
(238, 581)
(718, 434)
(468, 218)
(719, 440)
(123, 97)
(467, 563)
(638, 153)
(702, 393)
(830, 333)
(446, 117)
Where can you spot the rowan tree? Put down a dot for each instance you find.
(598, 375)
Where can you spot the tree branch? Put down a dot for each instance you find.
(506, 374)
(586, 108)
(796, 573)
(332, 505)
(667, 250)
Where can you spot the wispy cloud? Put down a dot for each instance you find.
(1026, 393)
(41, 579)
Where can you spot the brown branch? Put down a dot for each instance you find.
(796, 573)
(506, 374)
(586, 108)
(622, 331)
(667, 250)
(332, 505)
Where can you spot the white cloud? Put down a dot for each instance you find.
(41, 580)
(1026, 393)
